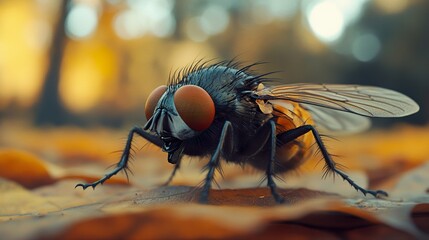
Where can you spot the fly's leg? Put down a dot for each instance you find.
(176, 167)
(270, 168)
(330, 164)
(122, 164)
(224, 145)
(265, 138)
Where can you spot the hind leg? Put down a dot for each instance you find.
(330, 164)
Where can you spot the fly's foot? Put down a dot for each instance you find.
(376, 194)
(85, 185)
(93, 185)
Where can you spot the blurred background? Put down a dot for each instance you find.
(75, 75)
(94, 62)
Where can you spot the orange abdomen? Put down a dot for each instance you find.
(288, 116)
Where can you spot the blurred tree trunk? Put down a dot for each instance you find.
(49, 109)
(179, 13)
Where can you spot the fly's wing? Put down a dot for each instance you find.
(329, 120)
(332, 105)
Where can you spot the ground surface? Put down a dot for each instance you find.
(40, 167)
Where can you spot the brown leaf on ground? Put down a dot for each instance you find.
(32, 172)
(39, 194)
(140, 218)
(24, 168)
(420, 216)
(16, 201)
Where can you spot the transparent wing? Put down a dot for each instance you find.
(362, 100)
(338, 122)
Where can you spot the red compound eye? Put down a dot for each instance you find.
(152, 100)
(195, 107)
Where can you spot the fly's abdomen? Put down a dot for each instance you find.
(289, 115)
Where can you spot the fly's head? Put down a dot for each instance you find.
(178, 114)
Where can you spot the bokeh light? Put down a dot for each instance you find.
(140, 41)
(329, 19)
(214, 19)
(265, 11)
(143, 17)
(81, 21)
(194, 31)
(326, 21)
(127, 25)
(365, 47)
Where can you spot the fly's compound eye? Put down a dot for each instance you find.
(153, 99)
(195, 107)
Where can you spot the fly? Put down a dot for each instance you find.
(227, 112)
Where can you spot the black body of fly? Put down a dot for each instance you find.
(242, 131)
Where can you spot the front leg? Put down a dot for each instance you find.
(123, 163)
(225, 140)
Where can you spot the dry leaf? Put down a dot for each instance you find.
(32, 172)
(238, 210)
(24, 168)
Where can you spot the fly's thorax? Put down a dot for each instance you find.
(227, 88)
(223, 89)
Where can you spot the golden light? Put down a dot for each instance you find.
(24, 37)
(88, 75)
